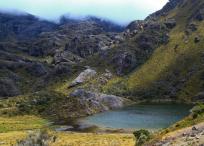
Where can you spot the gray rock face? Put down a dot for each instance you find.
(37, 69)
(83, 77)
(93, 102)
(66, 56)
(87, 45)
(197, 39)
(23, 26)
(200, 14)
(199, 97)
(135, 25)
(166, 9)
(8, 88)
(124, 61)
(62, 68)
(170, 23)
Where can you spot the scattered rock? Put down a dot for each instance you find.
(135, 25)
(93, 101)
(197, 39)
(66, 56)
(194, 128)
(63, 128)
(37, 69)
(8, 88)
(200, 15)
(103, 79)
(184, 134)
(193, 135)
(197, 137)
(83, 77)
(62, 68)
(199, 97)
(170, 23)
(124, 62)
(192, 27)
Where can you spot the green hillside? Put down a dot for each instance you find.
(174, 70)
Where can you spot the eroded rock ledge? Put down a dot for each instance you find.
(92, 102)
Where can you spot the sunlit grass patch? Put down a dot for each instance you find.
(20, 123)
(93, 139)
(11, 138)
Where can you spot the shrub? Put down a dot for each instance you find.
(142, 136)
(41, 138)
(198, 109)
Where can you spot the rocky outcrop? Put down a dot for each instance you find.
(124, 61)
(199, 97)
(92, 102)
(84, 76)
(37, 69)
(166, 9)
(22, 27)
(8, 88)
(66, 56)
(170, 23)
(185, 137)
(199, 15)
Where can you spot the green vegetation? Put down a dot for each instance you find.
(189, 120)
(41, 138)
(175, 70)
(196, 117)
(142, 136)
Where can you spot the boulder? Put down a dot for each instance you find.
(37, 69)
(83, 77)
(197, 39)
(124, 62)
(200, 15)
(192, 27)
(135, 25)
(66, 56)
(98, 102)
(199, 97)
(170, 23)
(103, 79)
(194, 128)
(8, 88)
(62, 68)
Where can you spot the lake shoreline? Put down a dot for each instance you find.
(78, 124)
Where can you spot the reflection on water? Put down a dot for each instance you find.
(154, 116)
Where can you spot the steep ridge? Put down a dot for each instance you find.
(174, 71)
(35, 67)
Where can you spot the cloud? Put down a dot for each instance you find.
(121, 11)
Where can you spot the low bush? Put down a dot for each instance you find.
(142, 136)
(41, 138)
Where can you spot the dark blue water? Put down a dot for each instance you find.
(146, 116)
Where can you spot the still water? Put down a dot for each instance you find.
(147, 116)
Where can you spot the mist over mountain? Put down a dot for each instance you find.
(122, 11)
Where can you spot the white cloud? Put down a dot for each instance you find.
(121, 11)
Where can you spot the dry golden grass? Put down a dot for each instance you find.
(19, 123)
(13, 129)
(10, 138)
(93, 139)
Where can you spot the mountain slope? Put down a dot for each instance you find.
(174, 70)
(160, 58)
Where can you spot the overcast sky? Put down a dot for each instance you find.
(121, 11)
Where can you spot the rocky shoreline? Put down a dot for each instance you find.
(188, 136)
